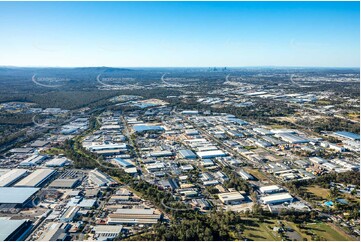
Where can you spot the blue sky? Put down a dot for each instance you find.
(165, 34)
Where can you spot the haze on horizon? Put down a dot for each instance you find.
(180, 34)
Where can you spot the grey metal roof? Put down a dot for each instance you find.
(7, 227)
(16, 195)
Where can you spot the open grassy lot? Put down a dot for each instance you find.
(327, 231)
(53, 151)
(276, 126)
(260, 231)
(256, 173)
(318, 191)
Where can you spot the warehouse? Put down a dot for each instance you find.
(277, 198)
(186, 168)
(329, 166)
(317, 160)
(69, 214)
(245, 175)
(161, 154)
(210, 154)
(236, 121)
(64, 183)
(107, 232)
(292, 138)
(234, 133)
(283, 131)
(14, 230)
(262, 143)
(12, 176)
(210, 183)
(187, 154)
(99, 179)
(207, 148)
(110, 127)
(39, 143)
(134, 216)
(36, 178)
(273, 140)
(106, 147)
(87, 203)
(55, 232)
(140, 128)
(263, 131)
(57, 162)
(347, 135)
(231, 198)
(22, 150)
(123, 163)
(207, 162)
(190, 112)
(270, 189)
(33, 161)
(188, 193)
(191, 132)
(154, 167)
(16, 195)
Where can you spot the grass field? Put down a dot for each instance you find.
(260, 231)
(276, 126)
(323, 102)
(328, 232)
(256, 173)
(320, 192)
(53, 151)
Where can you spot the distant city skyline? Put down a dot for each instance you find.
(180, 34)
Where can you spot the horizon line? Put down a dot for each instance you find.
(261, 66)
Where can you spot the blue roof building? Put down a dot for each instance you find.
(145, 128)
(348, 135)
(123, 163)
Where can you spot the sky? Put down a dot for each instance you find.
(180, 34)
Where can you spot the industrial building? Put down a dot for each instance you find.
(14, 230)
(123, 163)
(56, 232)
(270, 189)
(108, 149)
(263, 131)
(292, 138)
(210, 154)
(187, 154)
(245, 175)
(99, 179)
(140, 128)
(12, 176)
(87, 203)
(17, 196)
(347, 135)
(231, 198)
(207, 162)
(32, 161)
(36, 179)
(277, 198)
(134, 216)
(161, 153)
(64, 183)
(317, 160)
(154, 167)
(57, 162)
(107, 232)
(191, 132)
(190, 112)
(69, 214)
